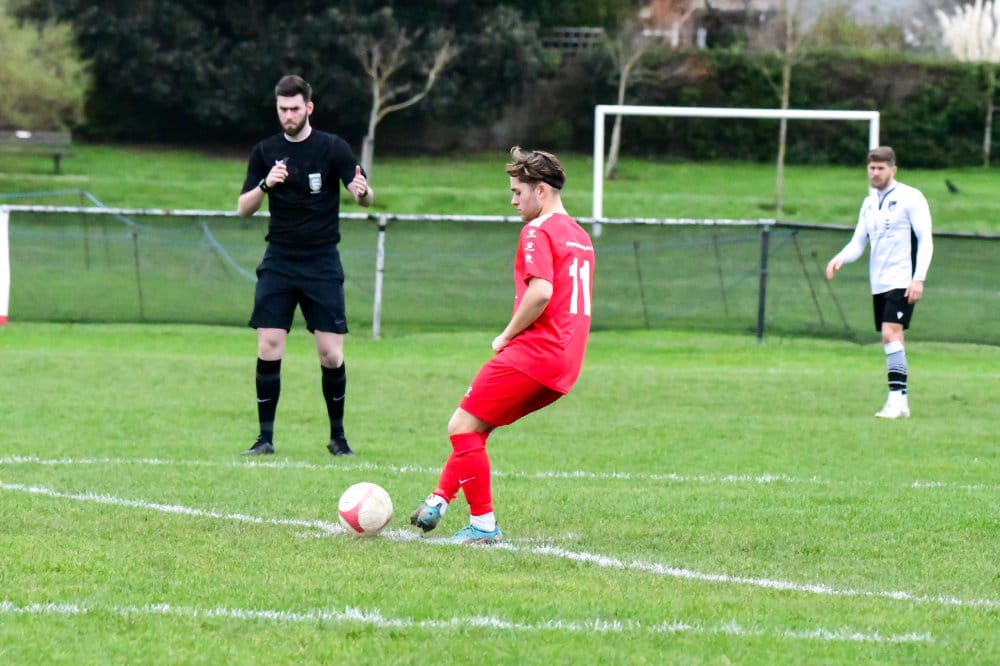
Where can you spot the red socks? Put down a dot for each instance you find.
(468, 468)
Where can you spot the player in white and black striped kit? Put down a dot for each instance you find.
(896, 220)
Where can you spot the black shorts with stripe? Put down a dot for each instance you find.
(311, 278)
(892, 307)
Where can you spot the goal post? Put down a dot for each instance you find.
(601, 111)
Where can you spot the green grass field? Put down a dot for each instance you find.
(697, 499)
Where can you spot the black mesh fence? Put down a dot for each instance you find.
(410, 273)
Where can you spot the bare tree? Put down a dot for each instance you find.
(627, 49)
(788, 41)
(790, 55)
(972, 34)
(386, 59)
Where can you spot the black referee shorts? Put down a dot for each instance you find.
(891, 306)
(311, 278)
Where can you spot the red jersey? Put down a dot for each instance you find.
(556, 249)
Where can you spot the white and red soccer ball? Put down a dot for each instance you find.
(365, 509)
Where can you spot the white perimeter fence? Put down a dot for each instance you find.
(83, 263)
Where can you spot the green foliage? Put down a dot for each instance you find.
(501, 57)
(696, 499)
(467, 16)
(931, 111)
(188, 71)
(43, 79)
(180, 70)
(185, 71)
(603, 13)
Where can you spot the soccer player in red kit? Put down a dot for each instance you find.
(538, 355)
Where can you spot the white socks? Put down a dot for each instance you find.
(438, 501)
(896, 368)
(486, 522)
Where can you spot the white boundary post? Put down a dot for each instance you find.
(383, 222)
(603, 110)
(597, 208)
(4, 265)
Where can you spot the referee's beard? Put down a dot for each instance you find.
(292, 131)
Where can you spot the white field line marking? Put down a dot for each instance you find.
(320, 525)
(377, 619)
(766, 583)
(755, 479)
(657, 569)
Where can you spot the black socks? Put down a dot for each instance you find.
(268, 390)
(334, 393)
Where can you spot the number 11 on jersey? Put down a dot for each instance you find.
(580, 272)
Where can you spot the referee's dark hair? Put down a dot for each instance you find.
(882, 154)
(292, 85)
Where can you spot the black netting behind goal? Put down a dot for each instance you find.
(450, 273)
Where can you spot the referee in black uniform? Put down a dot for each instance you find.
(299, 171)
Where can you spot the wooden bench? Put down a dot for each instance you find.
(28, 142)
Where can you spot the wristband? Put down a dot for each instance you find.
(263, 186)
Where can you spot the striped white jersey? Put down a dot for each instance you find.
(897, 223)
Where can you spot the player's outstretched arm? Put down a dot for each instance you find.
(832, 267)
(249, 202)
(850, 252)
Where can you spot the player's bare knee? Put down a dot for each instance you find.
(331, 358)
(463, 422)
(892, 334)
(888, 339)
(270, 345)
(455, 426)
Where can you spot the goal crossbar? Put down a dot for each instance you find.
(601, 111)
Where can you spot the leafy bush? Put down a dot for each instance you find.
(43, 78)
(931, 112)
(182, 71)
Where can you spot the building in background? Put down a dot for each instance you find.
(701, 23)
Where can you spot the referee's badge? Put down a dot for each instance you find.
(315, 182)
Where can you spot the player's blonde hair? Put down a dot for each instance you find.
(536, 166)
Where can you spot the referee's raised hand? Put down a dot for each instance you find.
(359, 186)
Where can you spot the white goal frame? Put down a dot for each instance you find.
(601, 111)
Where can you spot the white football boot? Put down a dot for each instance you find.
(896, 407)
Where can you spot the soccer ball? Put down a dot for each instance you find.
(365, 509)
